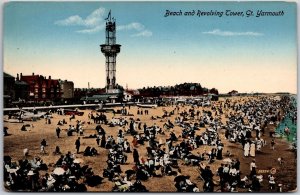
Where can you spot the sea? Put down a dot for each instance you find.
(288, 122)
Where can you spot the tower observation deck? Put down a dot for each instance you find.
(110, 50)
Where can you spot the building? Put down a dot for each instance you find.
(101, 98)
(8, 85)
(41, 88)
(21, 90)
(233, 93)
(131, 95)
(110, 50)
(8, 89)
(128, 96)
(67, 89)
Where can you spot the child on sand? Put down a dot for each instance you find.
(273, 144)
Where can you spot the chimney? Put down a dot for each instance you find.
(49, 77)
(18, 77)
(33, 74)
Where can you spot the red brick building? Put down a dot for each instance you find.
(41, 88)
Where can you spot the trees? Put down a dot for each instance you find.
(183, 89)
(214, 91)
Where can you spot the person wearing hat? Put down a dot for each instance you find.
(44, 181)
(57, 150)
(59, 161)
(206, 173)
(43, 145)
(32, 179)
(58, 130)
(136, 157)
(252, 168)
(64, 165)
(151, 165)
(271, 181)
(126, 146)
(134, 141)
(273, 144)
(255, 184)
(77, 144)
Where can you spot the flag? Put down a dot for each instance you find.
(108, 17)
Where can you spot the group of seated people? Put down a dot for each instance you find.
(184, 184)
(90, 151)
(61, 122)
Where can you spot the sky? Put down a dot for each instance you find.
(247, 54)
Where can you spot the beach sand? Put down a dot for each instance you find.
(266, 159)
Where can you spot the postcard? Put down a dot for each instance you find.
(150, 96)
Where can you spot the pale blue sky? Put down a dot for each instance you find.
(243, 53)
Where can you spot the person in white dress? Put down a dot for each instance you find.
(258, 145)
(252, 149)
(246, 149)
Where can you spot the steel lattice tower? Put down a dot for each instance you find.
(110, 49)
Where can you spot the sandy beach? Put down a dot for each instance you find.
(266, 159)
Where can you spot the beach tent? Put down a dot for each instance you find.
(58, 171)
(227, 160)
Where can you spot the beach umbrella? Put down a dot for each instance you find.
(78, 160)
(59, 171)
(227, 160)
(30, 173)
(12, 170)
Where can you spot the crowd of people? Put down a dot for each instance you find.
(25, 175)
(167, 150)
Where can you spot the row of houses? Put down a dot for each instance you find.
(39, 89)
(35, 88)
